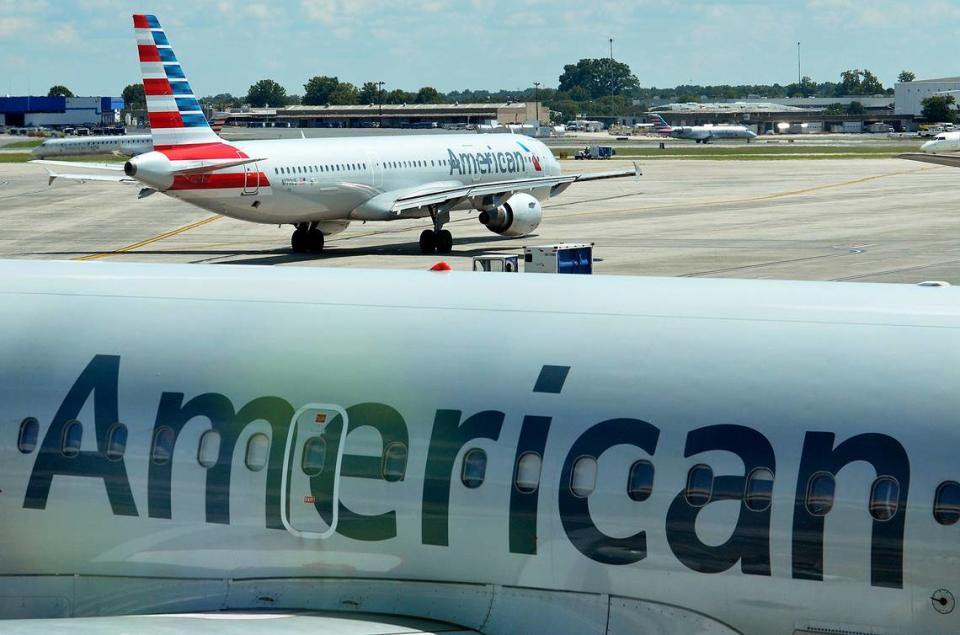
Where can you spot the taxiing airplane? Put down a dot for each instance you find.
(126, 145)
(321, 185)
(701, 134)
(943, 149)
(507, 453)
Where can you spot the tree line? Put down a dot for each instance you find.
(591, 87)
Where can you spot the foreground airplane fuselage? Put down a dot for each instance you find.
(510, 453)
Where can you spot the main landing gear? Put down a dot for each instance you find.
(307, 239)
(437, 240)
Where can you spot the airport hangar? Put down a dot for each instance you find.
(27, 112)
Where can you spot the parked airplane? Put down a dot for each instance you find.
(321, 185)
(640, 455)
(127, 145)
(701, 134)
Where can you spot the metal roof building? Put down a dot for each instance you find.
(910, 95)
(59, 111)
(396, 115)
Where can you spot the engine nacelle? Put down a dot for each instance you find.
(518, 216)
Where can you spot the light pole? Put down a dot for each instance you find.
(536, 99)
(380, 101)
(799, 77)
(611, 76)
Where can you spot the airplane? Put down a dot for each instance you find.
(641, 455)
(943, 149)
(700, 134)
(320, 186)
(126, 145)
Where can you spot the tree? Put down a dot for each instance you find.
(806, 88)
(906, 76)
(221, 101)
(429, 95)
(345, 93)
(266, 92)
(370, 93)
(858, 82)
(938, 108)
(855, 108)
(599, 77)
(58, 90)
(835, 109)
(317, 90)
(133, 97)
(870, 85)
(399, 97)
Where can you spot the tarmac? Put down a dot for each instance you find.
(880, 220)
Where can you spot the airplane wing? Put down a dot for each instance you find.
(949, 160)
(498, 191)
(112, 172)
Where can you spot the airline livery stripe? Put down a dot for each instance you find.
(148, 53)
(231, 180)
(165, 120)
(166, 54)
(156, 87)
(197, 151)
(160, 38)
(141, 21)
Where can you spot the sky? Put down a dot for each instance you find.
(226, 45)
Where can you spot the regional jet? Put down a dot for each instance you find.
(943, 149)
(233, 446)
(124, 145)
(701, 134)
(320, 186)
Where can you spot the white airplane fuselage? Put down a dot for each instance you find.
(128, 145)
(303, 180)
(577, 452)
(943, 143)
(709, 133)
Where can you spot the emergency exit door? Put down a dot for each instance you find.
(311, 470)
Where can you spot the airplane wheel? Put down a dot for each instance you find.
(300, 241)
(315, 241)
(428, 242)
(444, 242)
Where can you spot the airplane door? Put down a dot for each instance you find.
(376, 170)
(251, 178)
(311, 470)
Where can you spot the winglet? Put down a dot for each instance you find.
(636, 169)
(51, 177)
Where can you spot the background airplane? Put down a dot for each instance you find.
(616, 455)
(701, 134)
(943, 149)
(127, 145)
(321, 185)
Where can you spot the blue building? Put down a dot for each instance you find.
(57, 112)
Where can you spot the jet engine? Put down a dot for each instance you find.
(518, 216)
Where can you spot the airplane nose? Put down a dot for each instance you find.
(37, 152)
(929, 146)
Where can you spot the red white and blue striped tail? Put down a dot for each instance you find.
(176, 118)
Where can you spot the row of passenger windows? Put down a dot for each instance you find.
(757, 495)
(348, 167)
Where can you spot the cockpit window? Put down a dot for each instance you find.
(940, 137)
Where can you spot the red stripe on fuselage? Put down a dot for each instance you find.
(140, 21)
(165, 120)
(231, 180)
(156, 87)
(148, 53)
(195, 151)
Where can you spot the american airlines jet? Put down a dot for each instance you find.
(126, 145)
(321, 185)
(701, 134)
(232, 446)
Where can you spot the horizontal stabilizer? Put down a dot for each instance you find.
(76, 171)
(949, 160)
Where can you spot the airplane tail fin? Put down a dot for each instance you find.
(176, 118)
(659, 123)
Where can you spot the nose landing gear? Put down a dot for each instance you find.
(307, 239)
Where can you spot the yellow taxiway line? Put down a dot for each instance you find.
(158, 237)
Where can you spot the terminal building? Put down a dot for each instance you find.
(58, 112)
(392, 115)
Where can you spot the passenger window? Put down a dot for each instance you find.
(162, 445)
(640, 481)
(758, 491)
(394, 462)
(474, 468)
(209, 449)
(884, 498)
(699, 489)
(116, 442)
(528, 472)
(72, 437)
(584, 478)
(820, 492)
(29, 433)
(946, 504)
(258, 448)
(314, 455)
